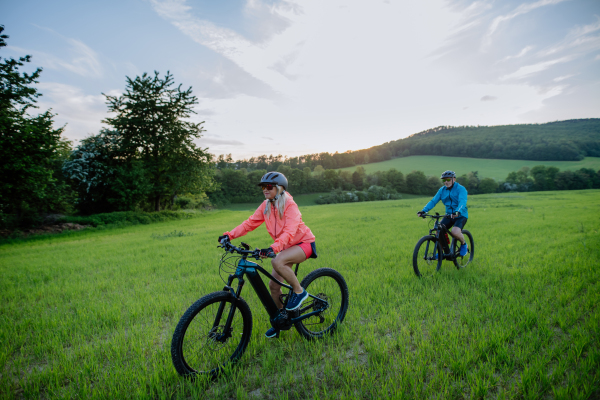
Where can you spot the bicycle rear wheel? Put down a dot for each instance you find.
(331, 289)
(427, 256)
(459, 261)
(201, 345)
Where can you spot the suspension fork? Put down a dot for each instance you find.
(221, 309)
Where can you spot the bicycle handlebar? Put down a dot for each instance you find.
(230, 248)
(437, 216)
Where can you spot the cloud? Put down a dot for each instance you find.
(81, 59)
(488, 98)
(82, 112)
(266, 137)
(220, 142)
(258, 60)
(562, 78)
(520, 10)
(528, 70)
(579, 37)
(521, 53)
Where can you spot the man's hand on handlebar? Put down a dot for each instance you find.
(455, 215)
(421, 214)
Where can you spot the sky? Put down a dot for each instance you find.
(301, 77)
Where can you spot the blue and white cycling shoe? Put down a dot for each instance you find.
(296, 300)
(463, 250)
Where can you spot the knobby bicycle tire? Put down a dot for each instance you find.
(424, 256)
(462, 262)
(200, 346)
(329, 285)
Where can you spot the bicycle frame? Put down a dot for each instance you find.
(279, 318)
(441, 234)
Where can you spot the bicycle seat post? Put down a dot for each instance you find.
(296, 271)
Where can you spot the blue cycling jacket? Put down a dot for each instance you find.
(455, 200)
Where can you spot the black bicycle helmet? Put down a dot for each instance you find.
(274, 178)
(448, 174)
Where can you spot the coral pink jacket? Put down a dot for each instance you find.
(286, 232)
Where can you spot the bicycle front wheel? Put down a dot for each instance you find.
(459, 261)
(331, 291)
(201, 343)
(427, 257)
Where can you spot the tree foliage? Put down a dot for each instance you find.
(31, 149)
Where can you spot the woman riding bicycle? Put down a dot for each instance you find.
(293, 240)
(454, 197)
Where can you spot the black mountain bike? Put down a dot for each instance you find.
(435, 247)
(214, 332)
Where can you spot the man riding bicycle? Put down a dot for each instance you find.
(454, 197)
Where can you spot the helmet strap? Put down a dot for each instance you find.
(277, 196)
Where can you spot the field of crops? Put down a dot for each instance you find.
(487, 168)
(91, 314)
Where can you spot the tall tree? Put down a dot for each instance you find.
(152, 117)
(28, 145)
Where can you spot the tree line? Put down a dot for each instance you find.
(240, 186)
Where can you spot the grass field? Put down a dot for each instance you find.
(487, 168)
(91, 315)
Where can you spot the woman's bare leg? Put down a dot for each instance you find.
(282, 269)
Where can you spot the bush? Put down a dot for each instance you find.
(372, 194)
(122, 218)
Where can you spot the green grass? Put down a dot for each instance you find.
(91, 315)
(487, 168)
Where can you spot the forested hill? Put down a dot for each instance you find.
(560, 141)
(570, 140)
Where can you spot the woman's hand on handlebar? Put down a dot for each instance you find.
(267, 253)
(223, 239)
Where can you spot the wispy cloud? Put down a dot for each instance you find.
(83, 112)
(528, 70)
(520, 10)
(219, 142)
(579, 38)
(261, 60)
(81, 60)
(525, 50)
(562, 78)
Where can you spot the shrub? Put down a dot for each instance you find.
(372, 194)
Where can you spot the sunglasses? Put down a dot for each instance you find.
(268, 187)
(447, 179)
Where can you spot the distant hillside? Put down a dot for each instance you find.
(487, 168)
(570, 140)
